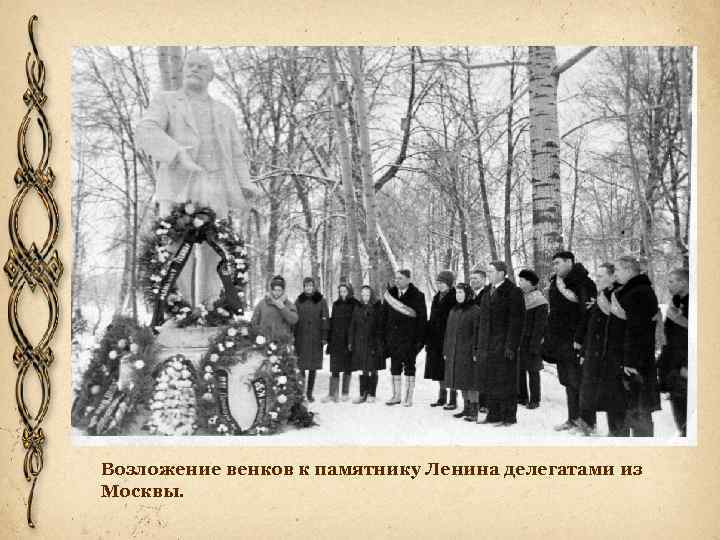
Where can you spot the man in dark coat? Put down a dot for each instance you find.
(405, 318)
(529, 353)
(500, 326)
(674, 358)
(634, 305)
(442, 303)
(570, 293)
(310, 332)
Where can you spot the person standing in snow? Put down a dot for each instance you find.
(529, 358)
(442, 303)
(570, 293)
(310, 332)
(338, 346)
(366, 343)
(275, 315)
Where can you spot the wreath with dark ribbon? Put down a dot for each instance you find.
(167, 249)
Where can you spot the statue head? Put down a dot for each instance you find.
(198, 71)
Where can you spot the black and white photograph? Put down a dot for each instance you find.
(384, 245)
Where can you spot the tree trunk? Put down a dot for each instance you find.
(366, 167)
(507, 240)
(544, 151)
(685, 87)
(576, 183)
(346, 166)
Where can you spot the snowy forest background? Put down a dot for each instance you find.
(455, 155)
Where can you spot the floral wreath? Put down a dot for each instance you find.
(188, 223)
(277, 384)
(116, 378)
(173, 403)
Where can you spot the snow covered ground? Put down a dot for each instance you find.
(376, 424)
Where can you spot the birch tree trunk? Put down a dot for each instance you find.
(346, 166)
(509, 173)
(366, 166)
(544, 151)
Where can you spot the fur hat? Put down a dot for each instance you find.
(277, 281)
(447, 277)
(405, 272)
(530, 276)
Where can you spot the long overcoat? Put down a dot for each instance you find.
(536, 313)
(459, 346)
(311, 330)
(435, 334)
(366, 337)
(339, 334)
(404, 335)
(500, 326)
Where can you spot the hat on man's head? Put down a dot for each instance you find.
(500, 266)
(277, 281)
(405, 272)
(565, 255)
(447, 277)
(530, 276)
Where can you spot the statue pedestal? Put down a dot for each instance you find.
(192, 341)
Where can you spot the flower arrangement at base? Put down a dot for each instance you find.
(116, 379)
(172, 403)
(185, 226)
(276, 382)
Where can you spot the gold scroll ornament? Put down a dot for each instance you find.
(33, 266)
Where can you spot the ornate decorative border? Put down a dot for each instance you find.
(34, 267)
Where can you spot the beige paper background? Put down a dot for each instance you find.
(675, 498)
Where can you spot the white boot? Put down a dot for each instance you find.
(409, 391)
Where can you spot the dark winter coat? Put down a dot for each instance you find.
(366, 337)
(459, 346)
(311, 330)
(674, 355)
(601, 386)
(566, 316)
(536, 313)
(435, 334)
(339, 334)
(275, 323)
(500, 327)
(404, 335)
(631, 341)
(477, 299)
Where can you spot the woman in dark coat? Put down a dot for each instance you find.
(310, 331)
(502, 314)
(442, 303)
(529, 353)
(338, 346)
(458, 348)
(601, 386)
(366, 343)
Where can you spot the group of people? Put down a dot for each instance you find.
(487, 341)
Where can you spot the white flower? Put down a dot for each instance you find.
(232, 332)
(208, 369)
(207, 396)
(220, 347)
(122, 344)
(160, 232)
(273, 415)
(260, 340)
(273, 346)
(185, 374)
(95, 389)
(134, 348)
(224, 312)
(282, 398)
(229, 344)
(207, 376)
(162, 386)
(165, 224)
(273, 359)
(282, 379)
(197, 223)
(189, 208)
(156, 291)
(112, 355)
(159, 396)
(139, 364)
(222, 428)
(244, 331)
(185, 309)
(214, 357)
(212, 420)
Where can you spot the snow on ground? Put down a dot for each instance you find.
(376, 424)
